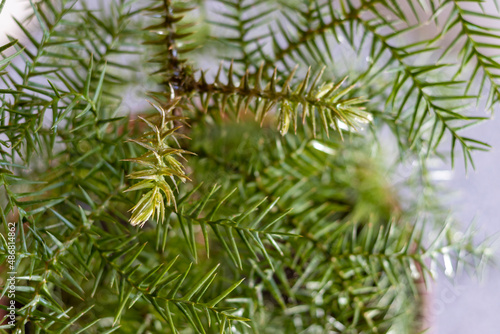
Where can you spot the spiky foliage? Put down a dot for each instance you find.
(160, 162)
(279, 228)
(325, 100)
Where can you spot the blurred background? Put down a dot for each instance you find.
(471, 304)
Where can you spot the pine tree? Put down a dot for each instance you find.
(256, 192)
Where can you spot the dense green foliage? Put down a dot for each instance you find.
(263, 191)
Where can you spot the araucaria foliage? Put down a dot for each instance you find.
(258, 191)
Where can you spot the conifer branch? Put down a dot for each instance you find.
(442, 114)
(325, 100)
(472, 48)
(161, 163)
(24, 119)
(153, 286)
(243, 29)
(173, 69)
(249, 228)
(305, 38)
